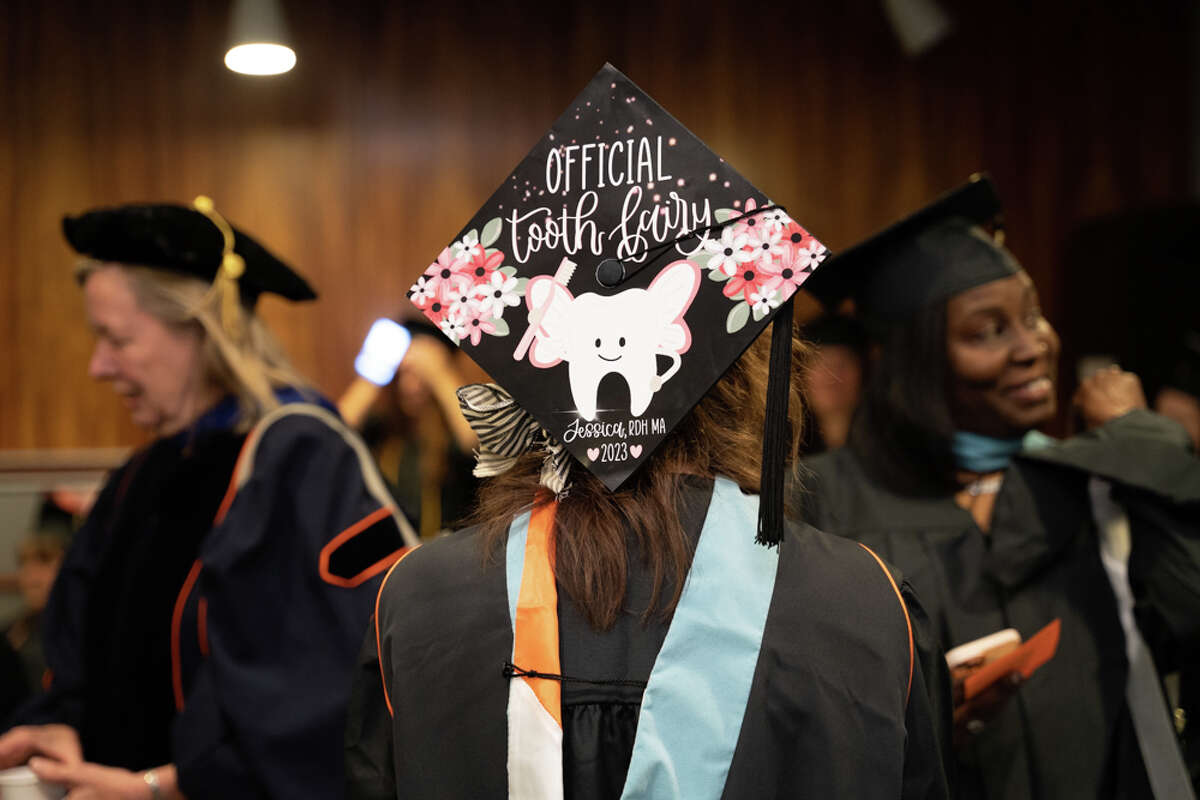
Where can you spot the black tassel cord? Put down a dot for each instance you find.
(776, 431)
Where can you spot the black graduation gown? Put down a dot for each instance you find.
(224, 648)
(1067, 733)
(816, 723)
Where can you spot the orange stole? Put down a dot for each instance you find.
(535, 629)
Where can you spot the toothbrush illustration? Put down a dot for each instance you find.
(562, 276)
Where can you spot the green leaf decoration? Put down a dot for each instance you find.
(718, 276)
(501, 327)
(723, 214)
(521, 284)
(491, 231)
(737, 318)
(759, 313)
(508, 272)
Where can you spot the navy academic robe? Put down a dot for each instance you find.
(223, 647)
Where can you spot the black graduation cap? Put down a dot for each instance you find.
(616, 274)
(183, 240)
(926, 257)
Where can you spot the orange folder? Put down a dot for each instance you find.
(1026, 659)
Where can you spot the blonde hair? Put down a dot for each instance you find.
(250, 368)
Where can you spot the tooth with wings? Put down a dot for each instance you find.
(622, 333)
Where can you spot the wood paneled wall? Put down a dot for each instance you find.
(401, 118)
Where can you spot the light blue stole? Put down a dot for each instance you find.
(695, 699)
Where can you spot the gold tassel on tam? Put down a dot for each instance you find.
(225, 284)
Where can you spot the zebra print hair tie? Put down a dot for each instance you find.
(506, 432)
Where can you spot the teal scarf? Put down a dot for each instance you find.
(977, 453)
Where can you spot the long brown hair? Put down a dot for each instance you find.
(722, 435)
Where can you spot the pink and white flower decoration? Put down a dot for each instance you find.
(439, 273)
(749, 222)
(773, 257)
(478, 322)
(747, 281)
(809, 258)
(498, 293)
(463, 301)
(785, 275)
(479, 268)
(465, 291)
(424, 291)
(765, 244)
(468, 246)
(454, 327)
(776, 219)
(728, 253)
(762, 303)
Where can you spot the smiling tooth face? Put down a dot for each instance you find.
(622, 333)
(612, 334)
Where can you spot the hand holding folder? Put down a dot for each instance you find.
(987, 671)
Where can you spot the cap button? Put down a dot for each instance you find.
(610, 272)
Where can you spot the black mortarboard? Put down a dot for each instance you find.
(614, 277)
(924, 258)
(182, 240)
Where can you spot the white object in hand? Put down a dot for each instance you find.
(1004, 640)
(382, 351)
(20, 783)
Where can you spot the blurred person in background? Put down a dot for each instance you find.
(1179, 397)
(404, 404)
(203, 626)
(1000, 527)
(39, 557)
(833, 380)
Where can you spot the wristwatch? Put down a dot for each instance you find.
(151, 779)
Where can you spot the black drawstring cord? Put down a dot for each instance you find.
(511, 670)
(612, 272)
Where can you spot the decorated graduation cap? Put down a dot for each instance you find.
(194, 241)
(923, 259)
(610, 281)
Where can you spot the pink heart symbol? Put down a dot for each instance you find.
(593, 453)
(635, 450)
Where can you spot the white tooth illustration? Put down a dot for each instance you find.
(621, 334)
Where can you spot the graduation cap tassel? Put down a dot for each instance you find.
(225, 285)
(776, 431)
